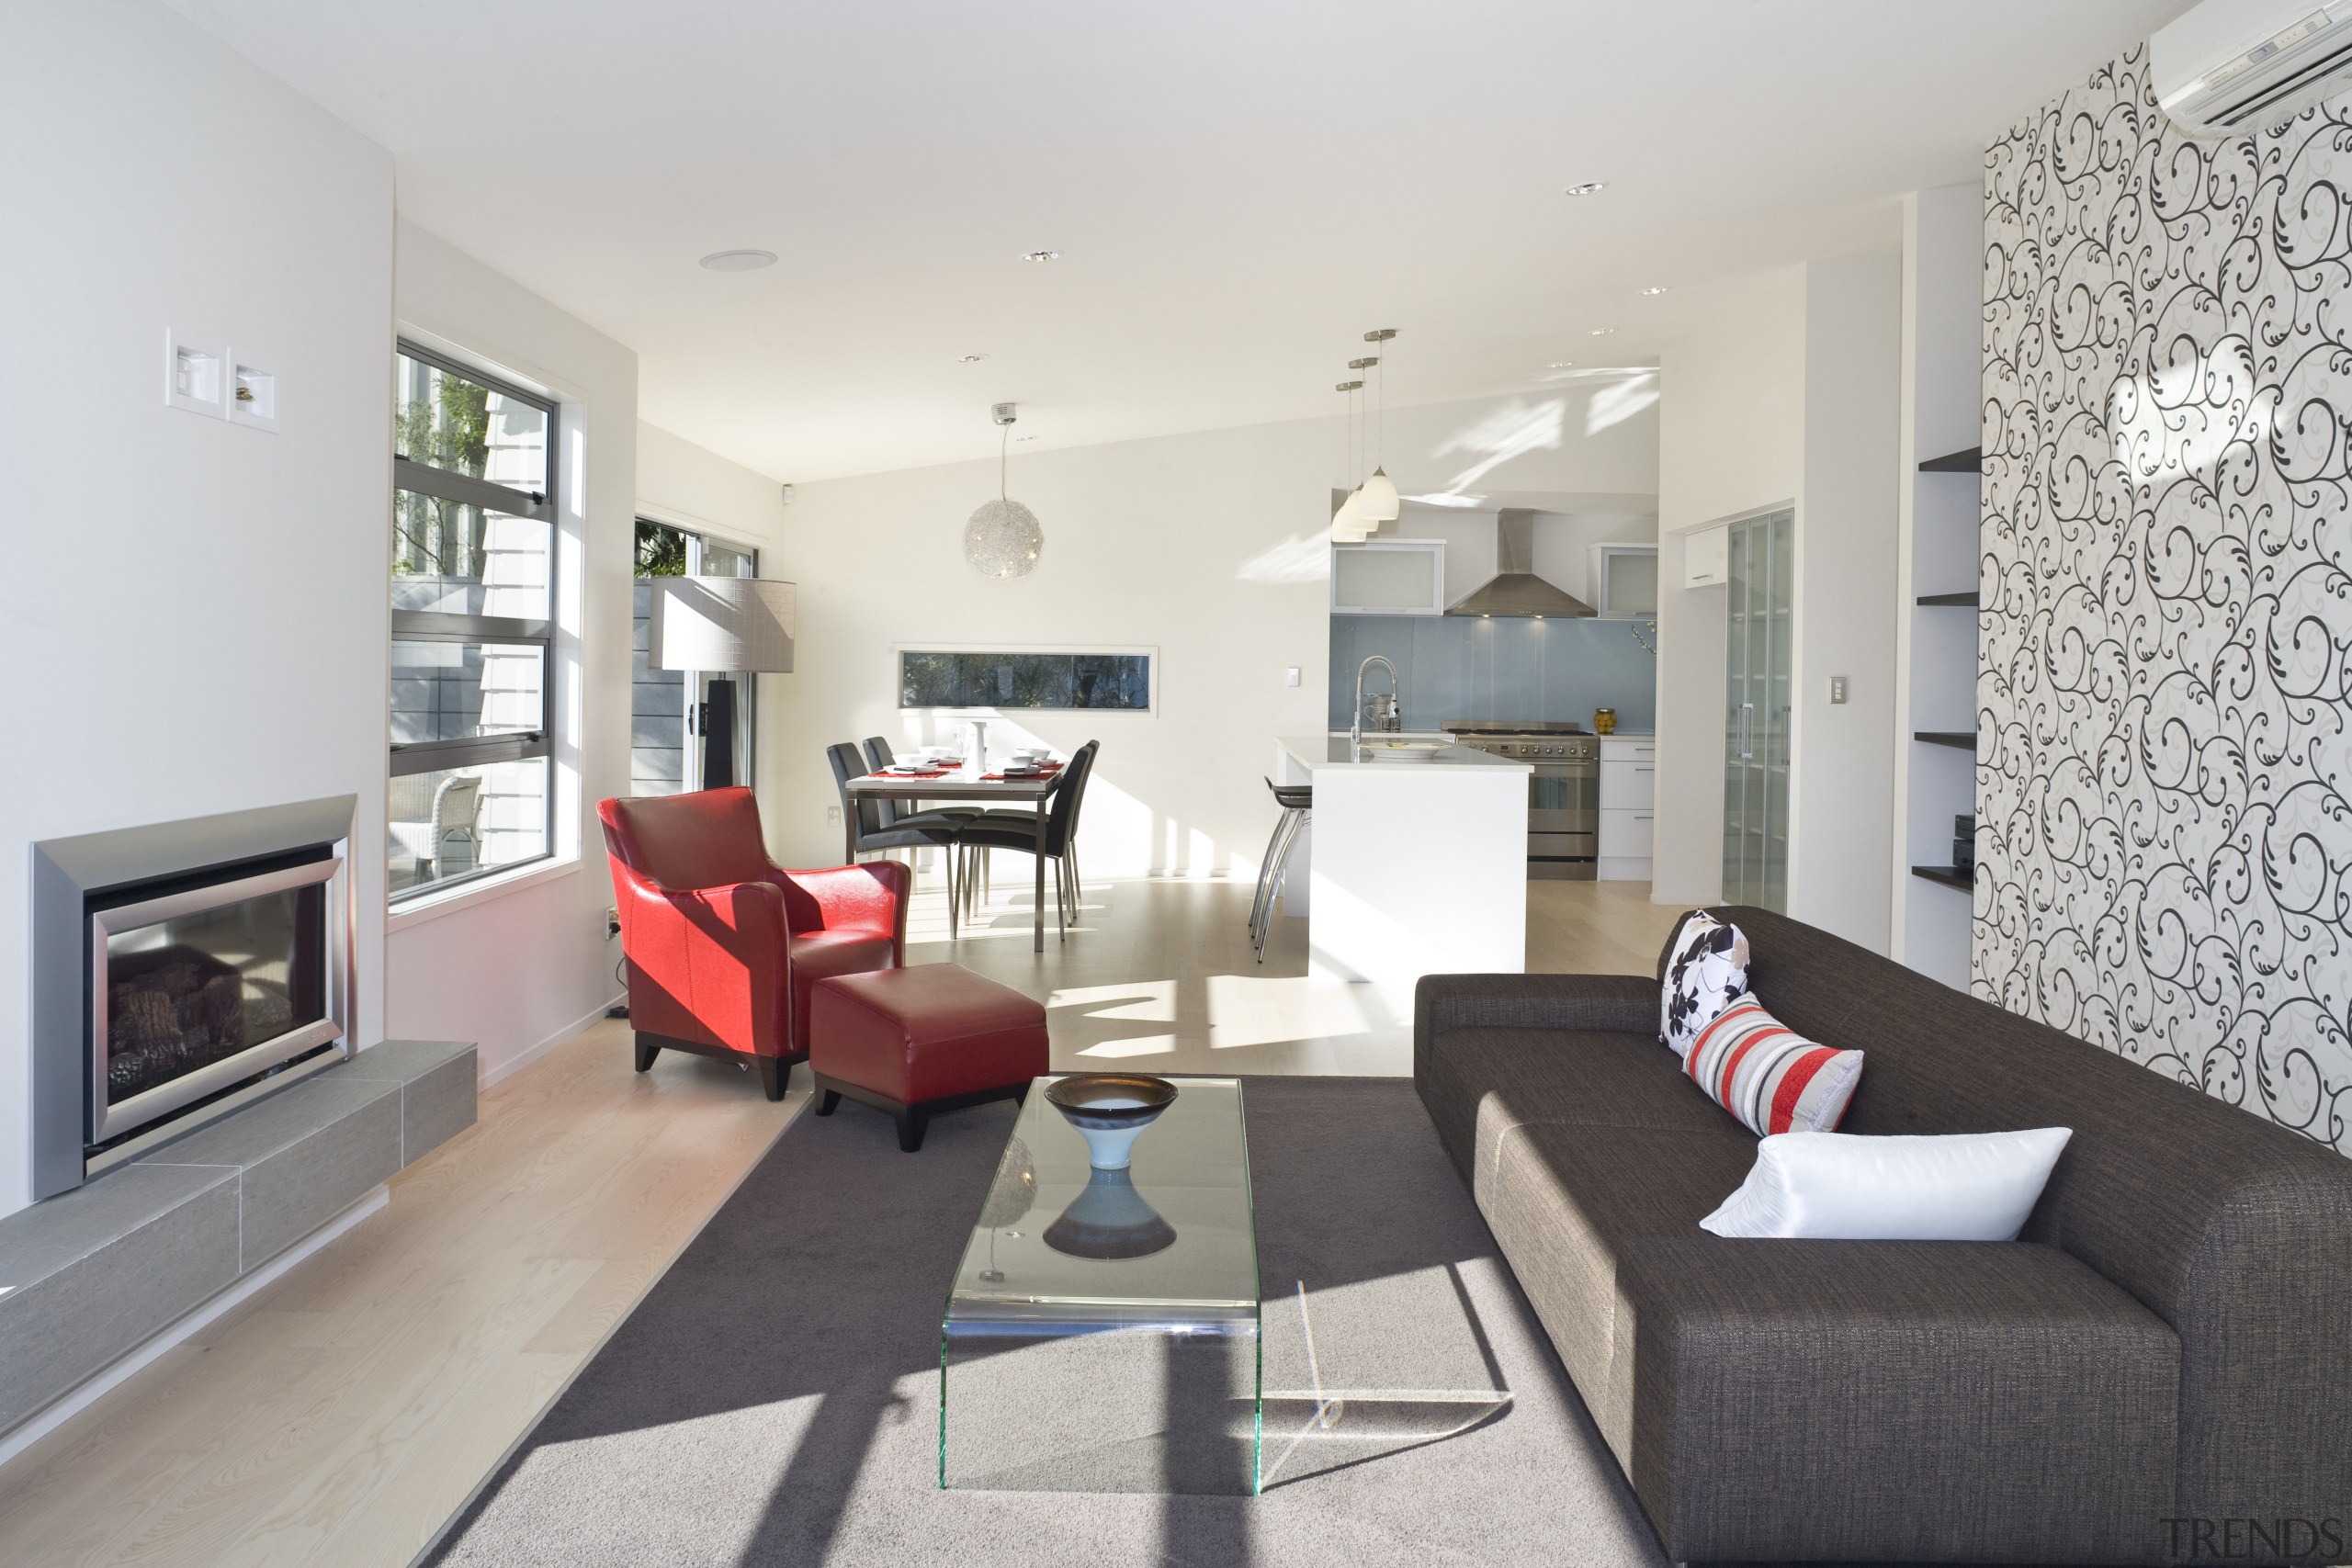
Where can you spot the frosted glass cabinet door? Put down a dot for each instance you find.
(1737, 714)
(1393, 576)
(1758, 649)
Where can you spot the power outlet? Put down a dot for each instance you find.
(833, 816)
(612, 921)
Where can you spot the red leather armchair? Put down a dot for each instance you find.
(722, 946)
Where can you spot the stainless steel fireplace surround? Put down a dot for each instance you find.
(173, 963)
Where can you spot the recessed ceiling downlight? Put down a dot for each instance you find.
(1601, 331)
(1589, 187)
(969, 358)
(739, 261)
(1561, 365)
(1653, 291)
(1041, 255)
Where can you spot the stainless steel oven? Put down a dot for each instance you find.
(1563, 793)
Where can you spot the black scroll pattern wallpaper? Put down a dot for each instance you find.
(2164, 690)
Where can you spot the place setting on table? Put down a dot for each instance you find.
(962, 772)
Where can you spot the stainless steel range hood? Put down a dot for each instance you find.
(1515, 590)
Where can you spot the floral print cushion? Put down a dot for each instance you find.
(1706, 973)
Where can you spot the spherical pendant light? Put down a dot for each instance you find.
(1002, 539)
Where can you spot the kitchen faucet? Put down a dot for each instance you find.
(1355, 728)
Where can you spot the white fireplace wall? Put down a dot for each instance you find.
(197, 617)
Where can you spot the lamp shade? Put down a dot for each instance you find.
(723, 624)
(1349, 524)
(1378, 498)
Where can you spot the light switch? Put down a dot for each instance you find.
(1836, 688)
(194, 378)
(1290, 676)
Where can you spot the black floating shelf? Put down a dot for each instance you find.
(1948, 876)
(1963, 739)
(1969, 462)
(1960, 601)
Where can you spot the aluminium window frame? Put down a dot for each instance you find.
(408, 758)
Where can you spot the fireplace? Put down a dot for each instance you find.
(180, 971)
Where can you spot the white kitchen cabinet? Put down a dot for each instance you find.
(1389, 577)
(1628, 807)
(1706, 557)
(1622, 582)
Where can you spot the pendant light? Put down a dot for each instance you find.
(1001, 538)
(1381, 502)
(1349, 524)
(1363, 519)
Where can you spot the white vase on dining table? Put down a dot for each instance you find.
(976, 748)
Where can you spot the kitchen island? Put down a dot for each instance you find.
(1414, 860)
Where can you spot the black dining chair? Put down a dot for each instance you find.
(1017, 831)
(867, 831)
(897, 814)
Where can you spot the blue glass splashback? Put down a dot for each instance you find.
(1462, 666)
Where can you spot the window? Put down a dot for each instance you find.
(663, 756)
(473, 586)
(951, 678)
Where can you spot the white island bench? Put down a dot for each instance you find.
(1414, 862)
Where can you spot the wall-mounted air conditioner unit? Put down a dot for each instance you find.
(2233, 67)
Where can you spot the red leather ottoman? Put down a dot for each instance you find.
(920, 1040)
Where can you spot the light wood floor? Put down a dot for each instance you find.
(339, 1417)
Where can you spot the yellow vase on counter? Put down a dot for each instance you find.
(1605, 721)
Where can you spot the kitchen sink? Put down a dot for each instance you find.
(1403, 750)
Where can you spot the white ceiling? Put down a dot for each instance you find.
(1239, 189)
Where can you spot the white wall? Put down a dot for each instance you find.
(519, 968)
(1731, 441)
(1208, 546)
(200, 618)
(680, 483)
(1788, 398)
(1841, 793)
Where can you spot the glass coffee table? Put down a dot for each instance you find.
(1101, 1334)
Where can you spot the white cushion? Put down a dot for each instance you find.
(1706, 973)
(1847, 1187)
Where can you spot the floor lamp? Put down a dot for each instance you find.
(723, 627)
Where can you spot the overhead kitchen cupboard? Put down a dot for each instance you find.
(1389, 577)
(1706, 557)
(1624, 580)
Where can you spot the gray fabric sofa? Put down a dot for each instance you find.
(2169, 1343)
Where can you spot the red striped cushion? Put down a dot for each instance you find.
(1772, 1079)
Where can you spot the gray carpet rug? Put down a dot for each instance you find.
(775, 1398)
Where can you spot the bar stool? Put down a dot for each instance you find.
(1297, 802)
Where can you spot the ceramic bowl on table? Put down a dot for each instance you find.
(1110, 1111)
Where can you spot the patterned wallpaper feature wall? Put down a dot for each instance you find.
(2164, 687)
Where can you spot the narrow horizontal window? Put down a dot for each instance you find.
(446, 420)
(456, 824)
(958, 678)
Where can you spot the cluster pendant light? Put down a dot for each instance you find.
(1374, 502)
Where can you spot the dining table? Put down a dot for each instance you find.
(956, 787)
